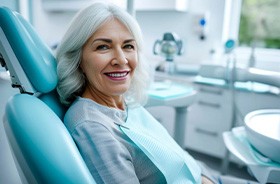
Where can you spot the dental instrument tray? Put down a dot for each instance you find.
(171, 94)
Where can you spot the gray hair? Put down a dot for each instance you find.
(71, 81)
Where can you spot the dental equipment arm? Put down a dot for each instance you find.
(241, 75)
(258, 75)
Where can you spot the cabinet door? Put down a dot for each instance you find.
(207, 119)
(75, 5)
(156, 5)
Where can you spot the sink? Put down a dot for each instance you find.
(263, 132)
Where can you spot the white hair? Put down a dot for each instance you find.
(71, 81)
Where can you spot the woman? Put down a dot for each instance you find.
(103, 78)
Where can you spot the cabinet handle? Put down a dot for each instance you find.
(212, 91)
(207, 132)
(209, 104)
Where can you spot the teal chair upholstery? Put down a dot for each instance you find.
(42, 147)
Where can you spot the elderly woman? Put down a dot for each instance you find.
(103, 78)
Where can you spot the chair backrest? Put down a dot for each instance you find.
(43, 149)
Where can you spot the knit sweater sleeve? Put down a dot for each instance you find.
(107, 159)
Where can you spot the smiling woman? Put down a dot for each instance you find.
(103, 78)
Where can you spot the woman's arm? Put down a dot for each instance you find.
(107, 159)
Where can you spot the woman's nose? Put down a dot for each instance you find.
(119, 57)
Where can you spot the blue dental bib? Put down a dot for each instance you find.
(152, 138)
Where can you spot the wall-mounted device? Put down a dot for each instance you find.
(201, 24)
(229, 46)
(170, 46)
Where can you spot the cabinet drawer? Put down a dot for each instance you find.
(211, 90)
(212, 116)
(206, 141)
(214, 95)
(202, 102)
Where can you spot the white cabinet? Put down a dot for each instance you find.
(212, 115)
(161, 5)
(74, 5)
(207, 119)
(139, 5)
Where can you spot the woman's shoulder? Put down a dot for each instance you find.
(79, 107)
(82, 110)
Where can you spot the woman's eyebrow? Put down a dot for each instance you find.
(129, 40)
(102, 39)
(110, 41)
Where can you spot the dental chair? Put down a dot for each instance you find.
(43, 150)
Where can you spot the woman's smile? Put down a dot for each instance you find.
(117, 75)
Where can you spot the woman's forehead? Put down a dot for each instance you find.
(112, 26)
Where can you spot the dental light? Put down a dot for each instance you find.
(170, 46)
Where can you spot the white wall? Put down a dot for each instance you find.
(154, 24)
(52, 25)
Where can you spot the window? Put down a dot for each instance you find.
(266, 47)
(259, 24)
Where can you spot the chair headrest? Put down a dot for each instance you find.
(30, 62)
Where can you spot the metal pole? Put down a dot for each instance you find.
(180, 125)
(130, 7)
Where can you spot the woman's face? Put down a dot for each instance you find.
(109, 59)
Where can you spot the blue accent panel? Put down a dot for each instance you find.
(202, 22)
(34, 56)
(230, 44)
(45, 143)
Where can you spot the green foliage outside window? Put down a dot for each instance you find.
(260, 23)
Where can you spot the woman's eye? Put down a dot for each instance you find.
(102, 47)
(129, 46)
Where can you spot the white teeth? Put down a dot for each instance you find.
(117, 74)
